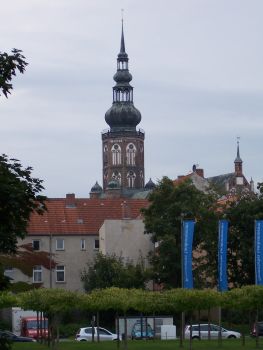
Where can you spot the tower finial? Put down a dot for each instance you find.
(122, 50)
(122, 11)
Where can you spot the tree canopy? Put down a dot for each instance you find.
(9, 65)
(241, 258)
(19, 197)
(169, 205)
(112, 271)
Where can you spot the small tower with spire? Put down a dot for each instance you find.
(123, 144)
(238, 161)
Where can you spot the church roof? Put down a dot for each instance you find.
(198, 181)
(77, 216)
(221, 180)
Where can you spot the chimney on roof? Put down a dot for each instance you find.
(70, 200)
(198, 171)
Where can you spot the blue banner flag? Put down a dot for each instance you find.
(187, 243)
(259, 252)
(222, 255)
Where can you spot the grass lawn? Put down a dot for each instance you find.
(233, 344)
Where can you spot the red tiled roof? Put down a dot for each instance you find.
(85, 217)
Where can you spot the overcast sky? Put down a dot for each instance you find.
(197, 77)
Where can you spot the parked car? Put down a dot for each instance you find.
(15, 338)
(259, 326)
(140, 331)
(214, 330)
(85, 334)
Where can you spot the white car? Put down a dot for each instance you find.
(214, 332)
(85, 334)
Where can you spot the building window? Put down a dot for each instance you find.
(37, 274)
(96, 244)
(130, 154)
(59, 244)
(105, 154)
(82, 244)
(8, 271)
(60, 273)
(116, 154)
(131, 179)
(117, 177)
(142, 178)
(36, 244)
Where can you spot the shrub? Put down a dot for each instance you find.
(5, 343)
(69, 330)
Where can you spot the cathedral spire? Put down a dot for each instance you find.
(122, 116)
(122, 49)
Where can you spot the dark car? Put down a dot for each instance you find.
(257, 328)
(15, 338)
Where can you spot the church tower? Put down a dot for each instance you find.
(238, 162)
(123, 144)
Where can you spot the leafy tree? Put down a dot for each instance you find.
(9, 65)
(112, 271)
(24, 260)
(19, 197)
(169, 205)
(242, 215)
(4, 280)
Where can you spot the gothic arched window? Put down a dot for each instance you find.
(130, 154)
(116, 176)
(131, 179)
(116, 154)
(105, 153)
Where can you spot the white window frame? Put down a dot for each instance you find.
(37, 271)
(63, 244)
(59, 269)
(82, 244)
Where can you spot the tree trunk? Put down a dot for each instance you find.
(98, 325)
(125, 332)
